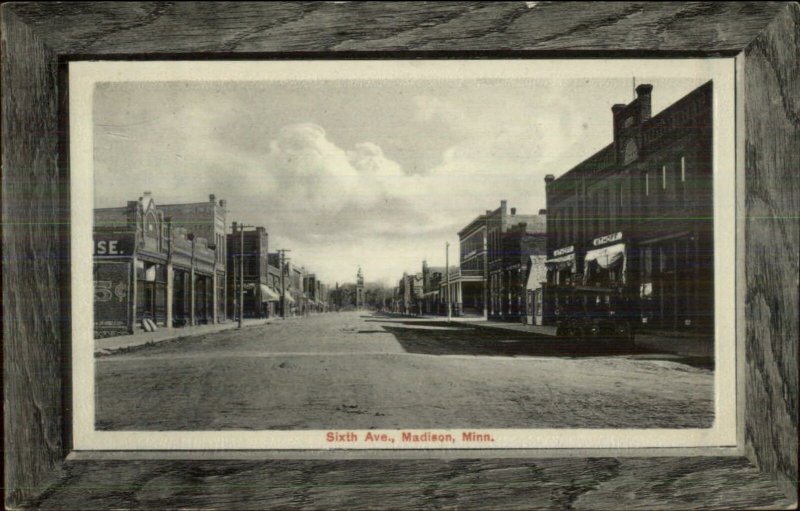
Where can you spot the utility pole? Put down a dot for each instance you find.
(241, 272)
(282, 262)
(447, 277)
(485, 276)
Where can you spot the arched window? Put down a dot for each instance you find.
(630, 151)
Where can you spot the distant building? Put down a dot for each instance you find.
(248, 260)
(637, 215)
(359, 289)
(469, 287)
(431, 288)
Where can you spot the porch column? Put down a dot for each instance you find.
(133, 294)
(170, 293)
(214, 300)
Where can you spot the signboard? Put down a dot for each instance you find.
(608, 238)
(563, 251)
(111, 295)
(113, 245)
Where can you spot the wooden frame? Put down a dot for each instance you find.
(39, 37)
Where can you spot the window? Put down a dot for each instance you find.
(683, 196)
(683, 169)
(663, 177)
(647, 184)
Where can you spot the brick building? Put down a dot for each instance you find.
(148, 266)
(247, 253)
(468, 288)
(637, 215)
(509, 237)
(207, 220)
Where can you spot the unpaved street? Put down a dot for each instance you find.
(360, 371)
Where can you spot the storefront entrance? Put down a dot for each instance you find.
(669, 275)
(151, 292)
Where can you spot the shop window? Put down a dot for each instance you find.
(647, 263)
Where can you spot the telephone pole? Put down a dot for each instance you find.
(485, 276)
(241, 270)
(447, 277)
(282, 263)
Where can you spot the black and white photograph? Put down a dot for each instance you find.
(400, 255)
(420, 254)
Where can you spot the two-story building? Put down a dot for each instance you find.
(248, 266)
(469, 287)
(151, 270)
(637, 215)
(207, 220)
(507, 235)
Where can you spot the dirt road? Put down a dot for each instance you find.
(355, 370)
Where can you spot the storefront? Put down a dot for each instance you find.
(561, 268)
(671, 273)
(269, 297)
(151, 291)
(604, 265)
(562, 274)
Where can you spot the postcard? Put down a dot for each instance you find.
(403, 254)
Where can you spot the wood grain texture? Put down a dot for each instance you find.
(33, 261)
(143, 27)
(772, 234)
(594, 483)
(35, 265)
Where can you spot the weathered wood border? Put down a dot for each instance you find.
(37, 37)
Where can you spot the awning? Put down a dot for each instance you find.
(532, 284)
(606, 256)
(562, 262)
(268, 295)
(289, 298)
(431, 293)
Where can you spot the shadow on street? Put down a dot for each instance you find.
(464, 339)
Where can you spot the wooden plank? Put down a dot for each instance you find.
(772, 237)
(34, 262)
(594, 483)
(136, 27)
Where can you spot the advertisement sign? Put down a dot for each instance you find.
(113, 244)
(563, 251)
(111, 295)
(608, 238)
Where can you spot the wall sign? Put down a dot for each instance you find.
(608, 238)
(112, 245)
(563, 251)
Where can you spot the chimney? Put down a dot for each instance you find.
(513, 211)
(549, 178)
(503, 205)
(643, 93)
(212, 198)
(542, 211)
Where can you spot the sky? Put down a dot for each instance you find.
(346, 173)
